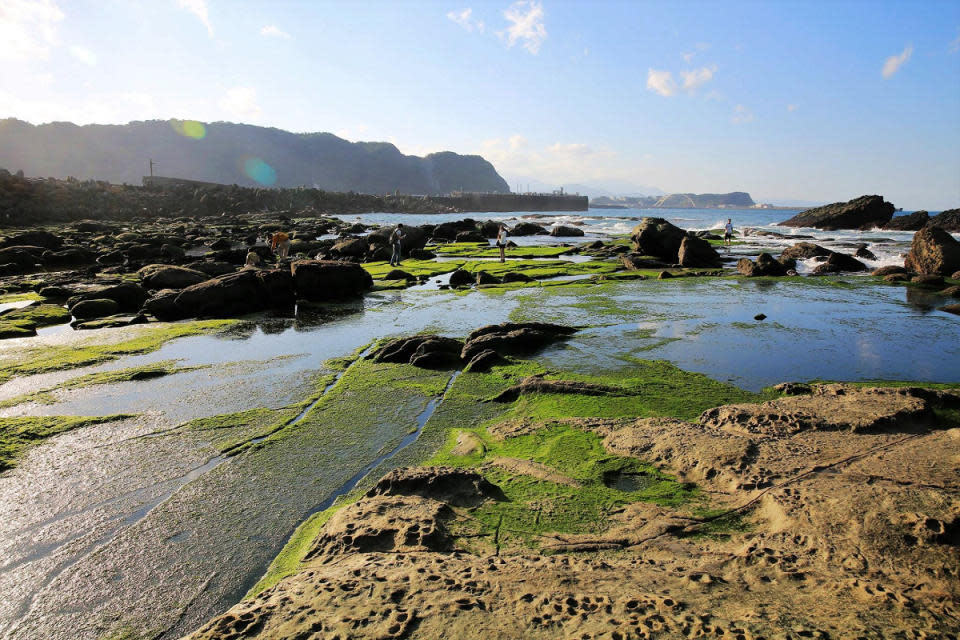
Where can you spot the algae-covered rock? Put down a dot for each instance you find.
(764, 266)
(165, 276)
(95, 308)
(696, 252)
(485, 277)
(459, 487)
(949, 220)
(461, 278)
(839, 262)
(326, 280)
(865, 212)
(508, 338)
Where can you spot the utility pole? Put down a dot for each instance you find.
(151, 168)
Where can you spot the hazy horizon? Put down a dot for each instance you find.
(791, 101)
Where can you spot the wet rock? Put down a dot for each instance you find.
(128, 295)
(172, 252)
(55, 292)
(356, 247)
(422, 254)
(951, 292)
(323, 280)
(509, 338)
(933, 251)
(439, 352)
(448, 230)
(657, 237)
(565, 231)
(163, 306)
(212, 268)
(955, 275)
(230, 295)
(896, 277)
(951, 308)
(471, 235)
(68, 257)
(932, 281)
(221, 244)
(949, 220)
(866, 254)
(665, 275)
(111, 258)
(459, 487)
(461, 278)
(93, 226)
(25, 257)
(94, 308)
(696, 252)
(484, 361)
(804, 251)
(865, 212)
(516, 276)
(528, 229)
(885, 271)
(839, 262)
(485, 277)
(764, 266)
(398, 274)
(164, 276)
(278, 288)
(760, 317)
(636, 261)
(8, 331)
(911, 222)
(533, 384)
(43, 239)
(110, 322)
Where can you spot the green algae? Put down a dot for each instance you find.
(415, 268)
(19, 297)
(19, 433)
(478, 250)
(34, 316)
(131, 374)
(49, 358)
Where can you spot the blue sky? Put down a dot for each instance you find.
(819, 101)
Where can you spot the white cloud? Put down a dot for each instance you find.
(893, 63)
(273, 31)
(741, 115)
(464, 18)
(199, 9)
(84, 55)
(526, 18)
(697, 77)
(28, 28)
(241, 102)
(689, 56)
(791, 107)
(661, 82)
(559, 162)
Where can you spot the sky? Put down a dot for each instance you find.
(819, 101)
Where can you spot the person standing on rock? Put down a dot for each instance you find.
(502, 241)
(280, 244)
(728, 232)
(395, 237)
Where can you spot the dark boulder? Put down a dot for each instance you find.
(163, 306)
(696, 252)
(398, 274)
(951, 292)
(484, 277)
(896, 277)
(933, 251)
(325, 280)
(885, 271)
(636, 261)
(220, 244)
(838, 262)
(92, 226)
(561, 231)
(471, 235)
(461, 278)
(949, 220)
(422, 254)
(25, 257)
(356, 247)
(911, 222)
(458, 487)
(528, 229)
(448, 230)
(484, 361)
(277, 287)
(436, 353)
(128, 295)
(865, 212)
(164, 276)
(513, 337)
(68, 257)
(803, 251)
(43, 239)
(764, 266)
(229, 295)
(951, 308)
(928, 280)
(139, 252)
(212, 268)
(95, 308)
(111, 258)
(657, 237)
(516, 276)
(864, 253)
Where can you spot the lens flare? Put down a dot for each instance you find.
(189, 129)
(258, 170)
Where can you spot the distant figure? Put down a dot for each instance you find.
(253, 259)
(280, 244)
(728, 232)
(502, 241)
(395, 237)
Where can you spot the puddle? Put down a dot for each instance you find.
(628, 482)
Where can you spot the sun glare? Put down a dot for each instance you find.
(189, 129)
(257, 169)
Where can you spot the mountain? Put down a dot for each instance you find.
(734, 200)
(605, 188)
(241, 154)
